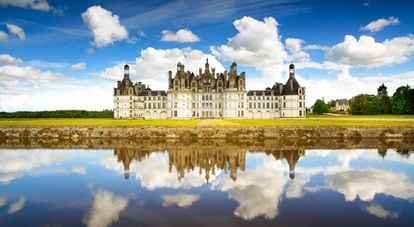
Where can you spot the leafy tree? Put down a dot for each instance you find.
(358, 104)
(331, 103)
(399, 100)
(58, 114)
(320, 107)
(385, 104)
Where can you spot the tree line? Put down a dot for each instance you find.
(401, 102)
(58, 114)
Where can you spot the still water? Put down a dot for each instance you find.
(206, 184)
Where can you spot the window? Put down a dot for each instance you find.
(300, 104)
(175, 113)
(284, 105)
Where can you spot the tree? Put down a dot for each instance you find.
(331, 103)
(357, 104)
(385, 104)
(320, 107)
(399, 100)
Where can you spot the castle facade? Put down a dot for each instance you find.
(208, 95)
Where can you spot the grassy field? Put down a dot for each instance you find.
(93, 122)
(314, 120)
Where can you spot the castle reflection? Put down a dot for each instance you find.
(206, 159)
(210, 156)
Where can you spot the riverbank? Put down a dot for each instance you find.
(209, 132)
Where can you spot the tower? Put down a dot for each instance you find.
(126, 72)
(382, 91)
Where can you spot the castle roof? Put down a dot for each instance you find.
(148, 92)
(291, 87)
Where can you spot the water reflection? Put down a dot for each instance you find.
(216, 182)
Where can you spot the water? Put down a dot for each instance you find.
(206, 183)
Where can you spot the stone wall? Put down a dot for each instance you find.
(257, 133)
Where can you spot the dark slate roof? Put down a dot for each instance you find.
(291, 87)
(153, 93)
(261, 92)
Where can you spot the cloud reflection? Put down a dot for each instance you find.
(18, 205)
(181, 200)
(378, 211)
(105, 209)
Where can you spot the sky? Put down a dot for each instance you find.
(69, 54)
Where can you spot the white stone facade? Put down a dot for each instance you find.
(208, 95)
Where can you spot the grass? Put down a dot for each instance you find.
(92, 122)
(313, 120)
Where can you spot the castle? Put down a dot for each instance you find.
(208, 95)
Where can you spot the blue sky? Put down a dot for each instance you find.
(68, 54)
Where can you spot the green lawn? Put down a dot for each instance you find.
(93, 122)
(314, 120)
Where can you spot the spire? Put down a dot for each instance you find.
(207, 66)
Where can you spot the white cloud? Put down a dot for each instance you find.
(79, 170)
(378, 211)
(3, 36)
(257, 44)
(18, 205)
(42, 5)
(105, 209)
(17, 31)
(366, 183)
(78, 66)
(105, 27)
(6, 59)
(181, 36)
(258, 191)
(294, 46)
(316, 47)
(368, 53)
(181, 200)
(152, 65)
(20, 163)
(380, 24)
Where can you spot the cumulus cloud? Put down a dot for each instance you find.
(41, 5)
(378, 25)
(366, 52)
(17, 31)
(152, 65)
(256, 44)
(6, 59)
(25, 76)
(3, 36)
(105, 27)
(105, 209)
(78, 66)
(378, 211)
(181, 200)
(18, 205)
(181, 36)
(294, 46)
